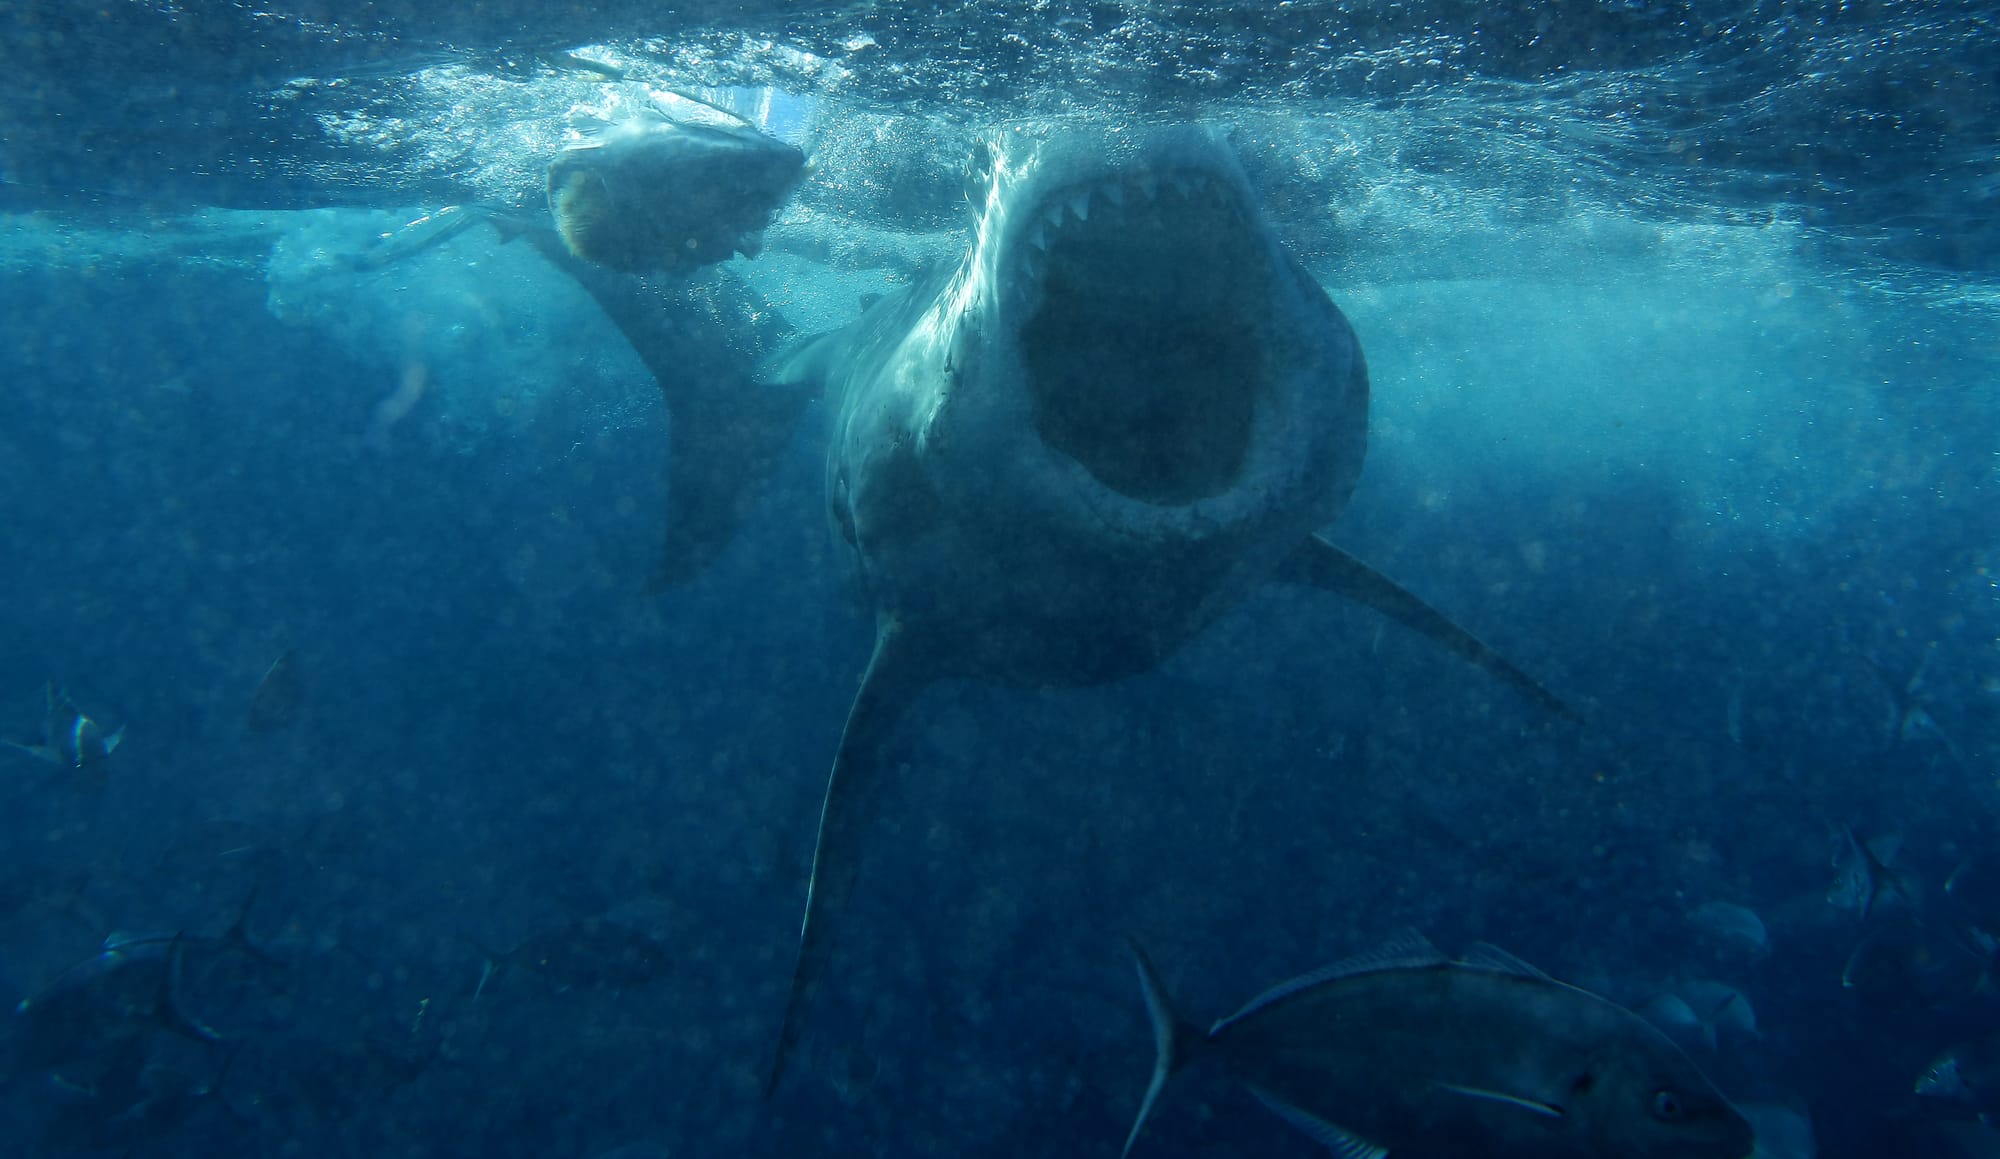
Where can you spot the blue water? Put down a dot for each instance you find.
(1681, 322)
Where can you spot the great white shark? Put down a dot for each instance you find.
(1054, 463)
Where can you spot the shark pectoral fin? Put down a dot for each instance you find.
(852, 788)
(1320, 564)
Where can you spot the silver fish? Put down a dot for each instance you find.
(1704, 1012)
(1868, 880)
(1968, 1074)
(1732, 927)
(69, 737)
(1405, 1052)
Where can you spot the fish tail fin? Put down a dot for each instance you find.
(1173, 1038)
(237, 936)
(37, 751)
(490, 962)
(177, 1017)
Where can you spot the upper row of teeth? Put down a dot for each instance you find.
(1117, 191)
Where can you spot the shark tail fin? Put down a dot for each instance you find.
(852, 789)
(1173, 1039)
(727, 428)
(719, 450)
(1320, 564)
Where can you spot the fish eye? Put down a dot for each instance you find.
(1667, 1106)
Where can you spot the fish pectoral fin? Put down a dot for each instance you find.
(1319, 564)
(1533, 1106)
(1341, 1141)
(852, 788)
(38, 751)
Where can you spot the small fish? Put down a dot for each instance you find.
(1703, 1012)
(1868, 880)
(572, 62)
(278, 695)
(138, 1101)
(1972, 894)
(1908, 964)
(70, 738)
(1783, 1132)
(594, 953)
(1732, 927)
(1968, 1074)
(1672, 1014)
(78, 1027)
(133, 984)
(1405, 1052)
(1908, 717)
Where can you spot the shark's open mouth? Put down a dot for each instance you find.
(1142, 344)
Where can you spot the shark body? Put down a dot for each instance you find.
(1055, 463)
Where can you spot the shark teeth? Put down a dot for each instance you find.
(1130, 199)
(1133, 192)
(1033, 264)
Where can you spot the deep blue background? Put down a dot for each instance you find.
(504, 730)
